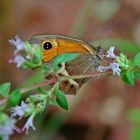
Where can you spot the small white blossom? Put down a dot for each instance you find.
(103, 68)
(110, 53)
(7, 129)
(115, 68)
(19, 110)
(18, 59)
(29, 124)
(18, 43)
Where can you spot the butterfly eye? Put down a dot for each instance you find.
(47, 45)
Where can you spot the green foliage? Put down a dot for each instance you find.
(5, 89)
(28, 47)
(52, 102)
(137, 75)
(136, 61)
(61, 99)
(3, 117)
(46, 69)
(66, 57)
(37, 103)
(15, 97)
(33, 50)
(123, 61)
(130, 68)
(130, 77)
(32, 55)
(38, 53)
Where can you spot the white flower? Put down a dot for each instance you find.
(18, 43)
(110, 53)
(115, 68)
(19, 110)
(29, 124)
(18, 59)
(7, 129)
(103, 68)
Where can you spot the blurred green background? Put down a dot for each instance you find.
(101, 111)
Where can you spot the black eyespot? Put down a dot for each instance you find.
(47, 45)
(66, 82)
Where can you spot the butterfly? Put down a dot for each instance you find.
(89, 59)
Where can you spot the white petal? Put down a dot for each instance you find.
(19, 110)
(103, 68)
(28, 124)
(19, 60)
(18, 43)
(110, 53)
(115, 68)
(7, 129)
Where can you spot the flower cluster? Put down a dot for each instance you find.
(19, 110)
(120, 65)
(123, 61)
(7, 126)
(34, 104)
(25, 54)
(114, 66)
(22, 111)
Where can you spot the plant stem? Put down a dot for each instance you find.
(88, 75)
(55, 80)
(46, 83)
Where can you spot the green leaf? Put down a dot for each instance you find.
(61, 99)
(134, 115)
(46, 69)
(125, 78)
(2, 107)
(130, 77)
(3, 117)
(28, 47)
(5, 89)
(52, 102)
(15, 97)
(66, 57)
(38, 53)
(136, 61)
